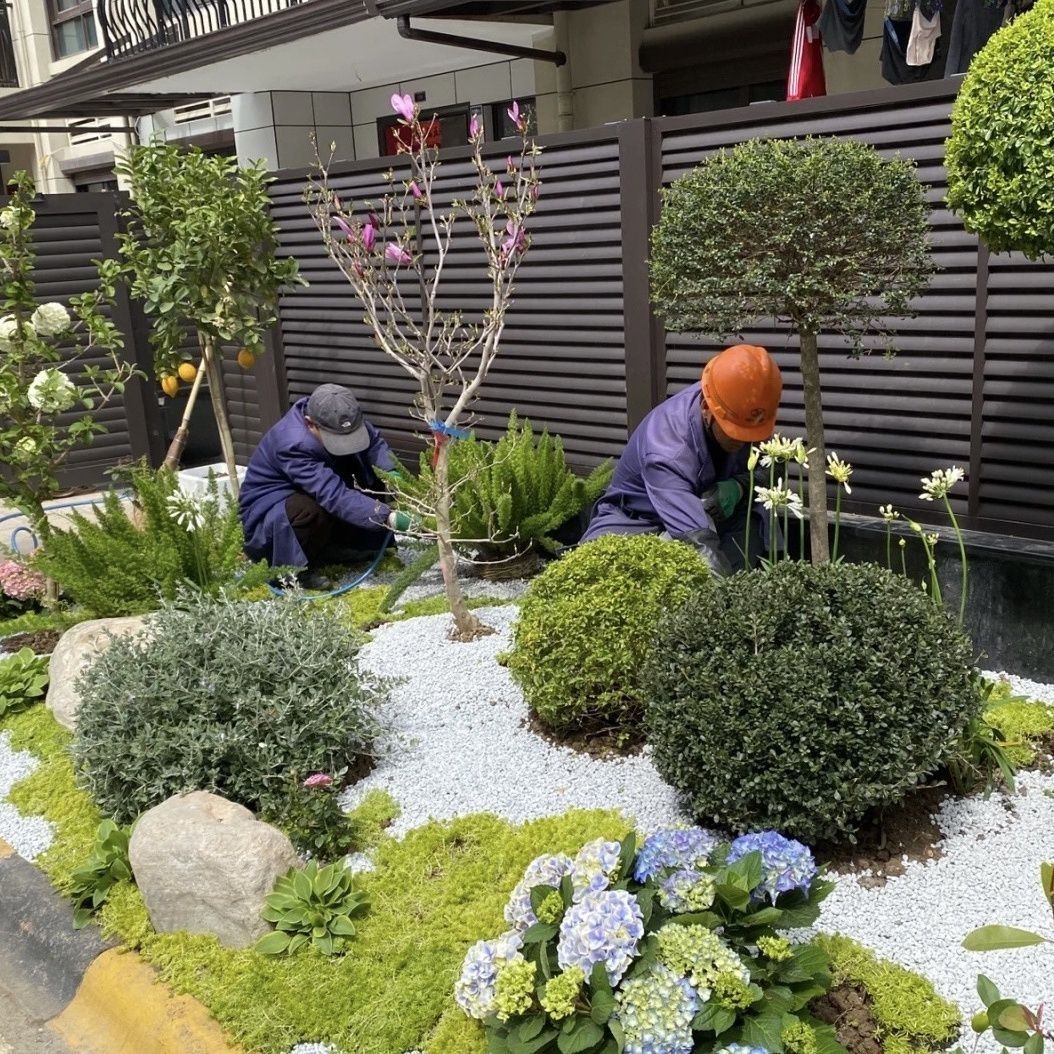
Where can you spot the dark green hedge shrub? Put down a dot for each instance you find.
(235, 698)
(798, 698)
(587, 624)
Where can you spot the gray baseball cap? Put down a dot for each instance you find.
(340, 421)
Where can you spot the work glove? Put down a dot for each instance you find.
(708, 546)
(400, 522)
(720, 501)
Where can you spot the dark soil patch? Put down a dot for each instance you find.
(908, 829)
(848, 1008)
(600, 743)
(42, 641)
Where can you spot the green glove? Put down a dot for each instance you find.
(400, 522)
(728, 494)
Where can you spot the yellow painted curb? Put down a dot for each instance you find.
(122, 1008)
(5, 850)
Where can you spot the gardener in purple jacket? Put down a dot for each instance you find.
(683, 473)
(310, 492)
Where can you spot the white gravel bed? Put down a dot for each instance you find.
(29, 836)
(1023, 686)
(458, 743)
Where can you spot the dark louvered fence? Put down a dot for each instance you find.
(972, 385)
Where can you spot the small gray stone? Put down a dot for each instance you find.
(76, 650)
(205, 865)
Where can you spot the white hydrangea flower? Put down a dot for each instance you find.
(8, 329)
(51, 392)
(7, 218)
(50, 320)
(26, 446)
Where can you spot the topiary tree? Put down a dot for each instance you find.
(1000, 157)
(798, 698)
(201, 251)
(588, 623)
(824, 234)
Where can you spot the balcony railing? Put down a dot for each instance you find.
(8, 69)
(133, 26)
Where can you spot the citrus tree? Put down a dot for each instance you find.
(823, 234)
(1000, 156)
(201, 251)
(57, 366)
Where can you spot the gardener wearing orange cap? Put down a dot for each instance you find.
(683, 473)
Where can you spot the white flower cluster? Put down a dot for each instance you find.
(939, 482)
(51, 392)
(49, 320)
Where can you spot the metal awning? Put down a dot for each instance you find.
(316, 45)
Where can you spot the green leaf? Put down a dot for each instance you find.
(733, 896)
(996, 938)
(1013, 1040)
(1015, 1018)
(539, 932)
(746, 871)
(764, 1030)
(342, 926)
(627, 854)
(531, 1026)
(584, 1035)
(987, 990)
(272, 943)
(618, 1033)
(714, 1018)
(1046, 875)
(1034, 1045)
(602, 1006)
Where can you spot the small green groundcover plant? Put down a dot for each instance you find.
(23, 680)
(674, 947)
(588, 623)
(312, 906)
(107, 864)
(231, 697)
(114, 566)
(802, 696)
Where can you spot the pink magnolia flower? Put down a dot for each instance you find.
(416, 190)
(474, 128)
(319, 779)
(20, 582)
(536, 190)
(499, 190)
(369, 237)
(349, 231)
(403, 105)
(515, 239)
(514, 115)
(396, 255)
(510, 166)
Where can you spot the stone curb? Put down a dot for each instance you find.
(98, 998)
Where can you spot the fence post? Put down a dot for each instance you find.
(973, 482)
(271, 392)
(645, 339)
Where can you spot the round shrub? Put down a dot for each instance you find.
(1000, 156)
(587, 625)
(237, 698)
(798, 698)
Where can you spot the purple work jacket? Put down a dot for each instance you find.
(668, 462)
(290, 459)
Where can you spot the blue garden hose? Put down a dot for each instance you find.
(348, 586)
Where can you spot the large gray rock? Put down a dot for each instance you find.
(76, 650)
(205, 864)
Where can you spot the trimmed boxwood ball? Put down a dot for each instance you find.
(241, 699)
(587, 624)
(1000, 156)
(800, 697)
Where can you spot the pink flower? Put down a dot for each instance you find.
(349, 231)
(403, 105)
(396, 255)
(514, 115)
(369, 237)
(319, 779)
(536, 190)
(510, 167)
(499, 190)
(416, 190)
(20, 582)
(515, 240)
(474, 128)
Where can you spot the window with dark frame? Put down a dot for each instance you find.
(501, 124)
(72, 26)
(444, 126)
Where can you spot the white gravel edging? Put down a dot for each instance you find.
(29, 836)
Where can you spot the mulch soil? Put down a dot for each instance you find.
(848, 1008)
(42, 641)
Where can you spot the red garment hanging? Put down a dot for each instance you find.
(805, 79)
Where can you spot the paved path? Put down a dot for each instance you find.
(20, 1034)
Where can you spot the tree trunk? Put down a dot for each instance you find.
(214, 367)
(810, 375)
(179, 440)
(466, 626)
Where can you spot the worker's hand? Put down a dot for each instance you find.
(400, 522)
(708, 546)
(720, 501)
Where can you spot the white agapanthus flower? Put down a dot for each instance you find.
(50, 320)
(839, 470)
(939, 482)
(888, 513)
(780, 497)
(187, 512)
(777, 449)
(8, 329)
(51, 392)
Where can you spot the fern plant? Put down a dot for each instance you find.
(116, 564)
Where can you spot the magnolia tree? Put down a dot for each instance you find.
(447, 352)
(201, 251)
(55, 362)
(824, 234)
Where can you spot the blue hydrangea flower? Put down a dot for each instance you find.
(741, 1048)
(680, 848)
(603, 927)
(474, 990)
(785, 863)
(685, 891)
(656, 1011)
(542, 871)
(594, 867)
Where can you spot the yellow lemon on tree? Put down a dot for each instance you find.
(246, 359)
(170, 385)
(187, 372)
